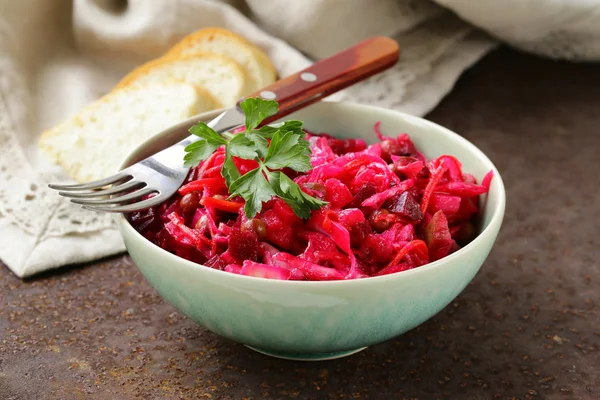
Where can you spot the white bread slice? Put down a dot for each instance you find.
(92, 144)
(268, 72)
(219, 75)
(255, 62)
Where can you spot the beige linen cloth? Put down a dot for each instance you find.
(58, 55)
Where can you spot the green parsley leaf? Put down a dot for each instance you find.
(289, 191)
(291, 125)
(260, 144)
(203, 148)
(229, 170)
(254, 188)
(197, 152)
(241, 146)
(207, 133)
(248, 146)
(256, 110)
(288, 150)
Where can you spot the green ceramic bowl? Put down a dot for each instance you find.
(323, 320)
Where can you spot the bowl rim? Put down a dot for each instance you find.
(125, 228)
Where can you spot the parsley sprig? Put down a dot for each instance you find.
(274, 148)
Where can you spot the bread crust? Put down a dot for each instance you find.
(268, 74)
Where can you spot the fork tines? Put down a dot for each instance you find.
(110, 194)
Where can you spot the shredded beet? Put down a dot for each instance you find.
(389, 210)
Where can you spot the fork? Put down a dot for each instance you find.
(163, 173)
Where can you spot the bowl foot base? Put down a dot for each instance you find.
(309, 356)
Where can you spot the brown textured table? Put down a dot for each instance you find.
(528, 327)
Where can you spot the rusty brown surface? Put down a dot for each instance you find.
(528, 327)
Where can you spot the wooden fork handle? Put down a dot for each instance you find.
(330, 75)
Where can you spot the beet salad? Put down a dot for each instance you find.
(282, 203)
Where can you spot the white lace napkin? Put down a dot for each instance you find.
(56, 56)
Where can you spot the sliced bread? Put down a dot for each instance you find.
(220, 75)
(255, 62)
(91, 144)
